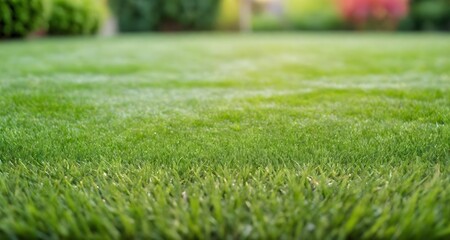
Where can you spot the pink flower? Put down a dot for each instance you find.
(361, 13)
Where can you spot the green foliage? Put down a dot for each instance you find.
(76, 17)
(313, 14)
(18, 18)
(137, 15)
(428, 15)
(145, 15)
(192, 14)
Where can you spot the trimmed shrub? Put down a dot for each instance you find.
(147, 15)
(19, 18)
(76, 17)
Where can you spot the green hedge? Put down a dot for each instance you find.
(76, 17)
(19, 18)
(147, 15)
(192, 14)
(136, 15)
(428, 15)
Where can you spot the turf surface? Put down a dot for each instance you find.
(226, 136)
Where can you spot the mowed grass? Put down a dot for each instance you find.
(292, 136)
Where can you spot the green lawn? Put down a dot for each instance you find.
(200, 136)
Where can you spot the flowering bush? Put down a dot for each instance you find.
(374, 14)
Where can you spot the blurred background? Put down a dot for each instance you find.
(31, 18)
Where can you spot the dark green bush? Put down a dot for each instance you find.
(428, 15)
(192, 14)
(137, 15)
(18, 18)
(145, 15)
(76, 17)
